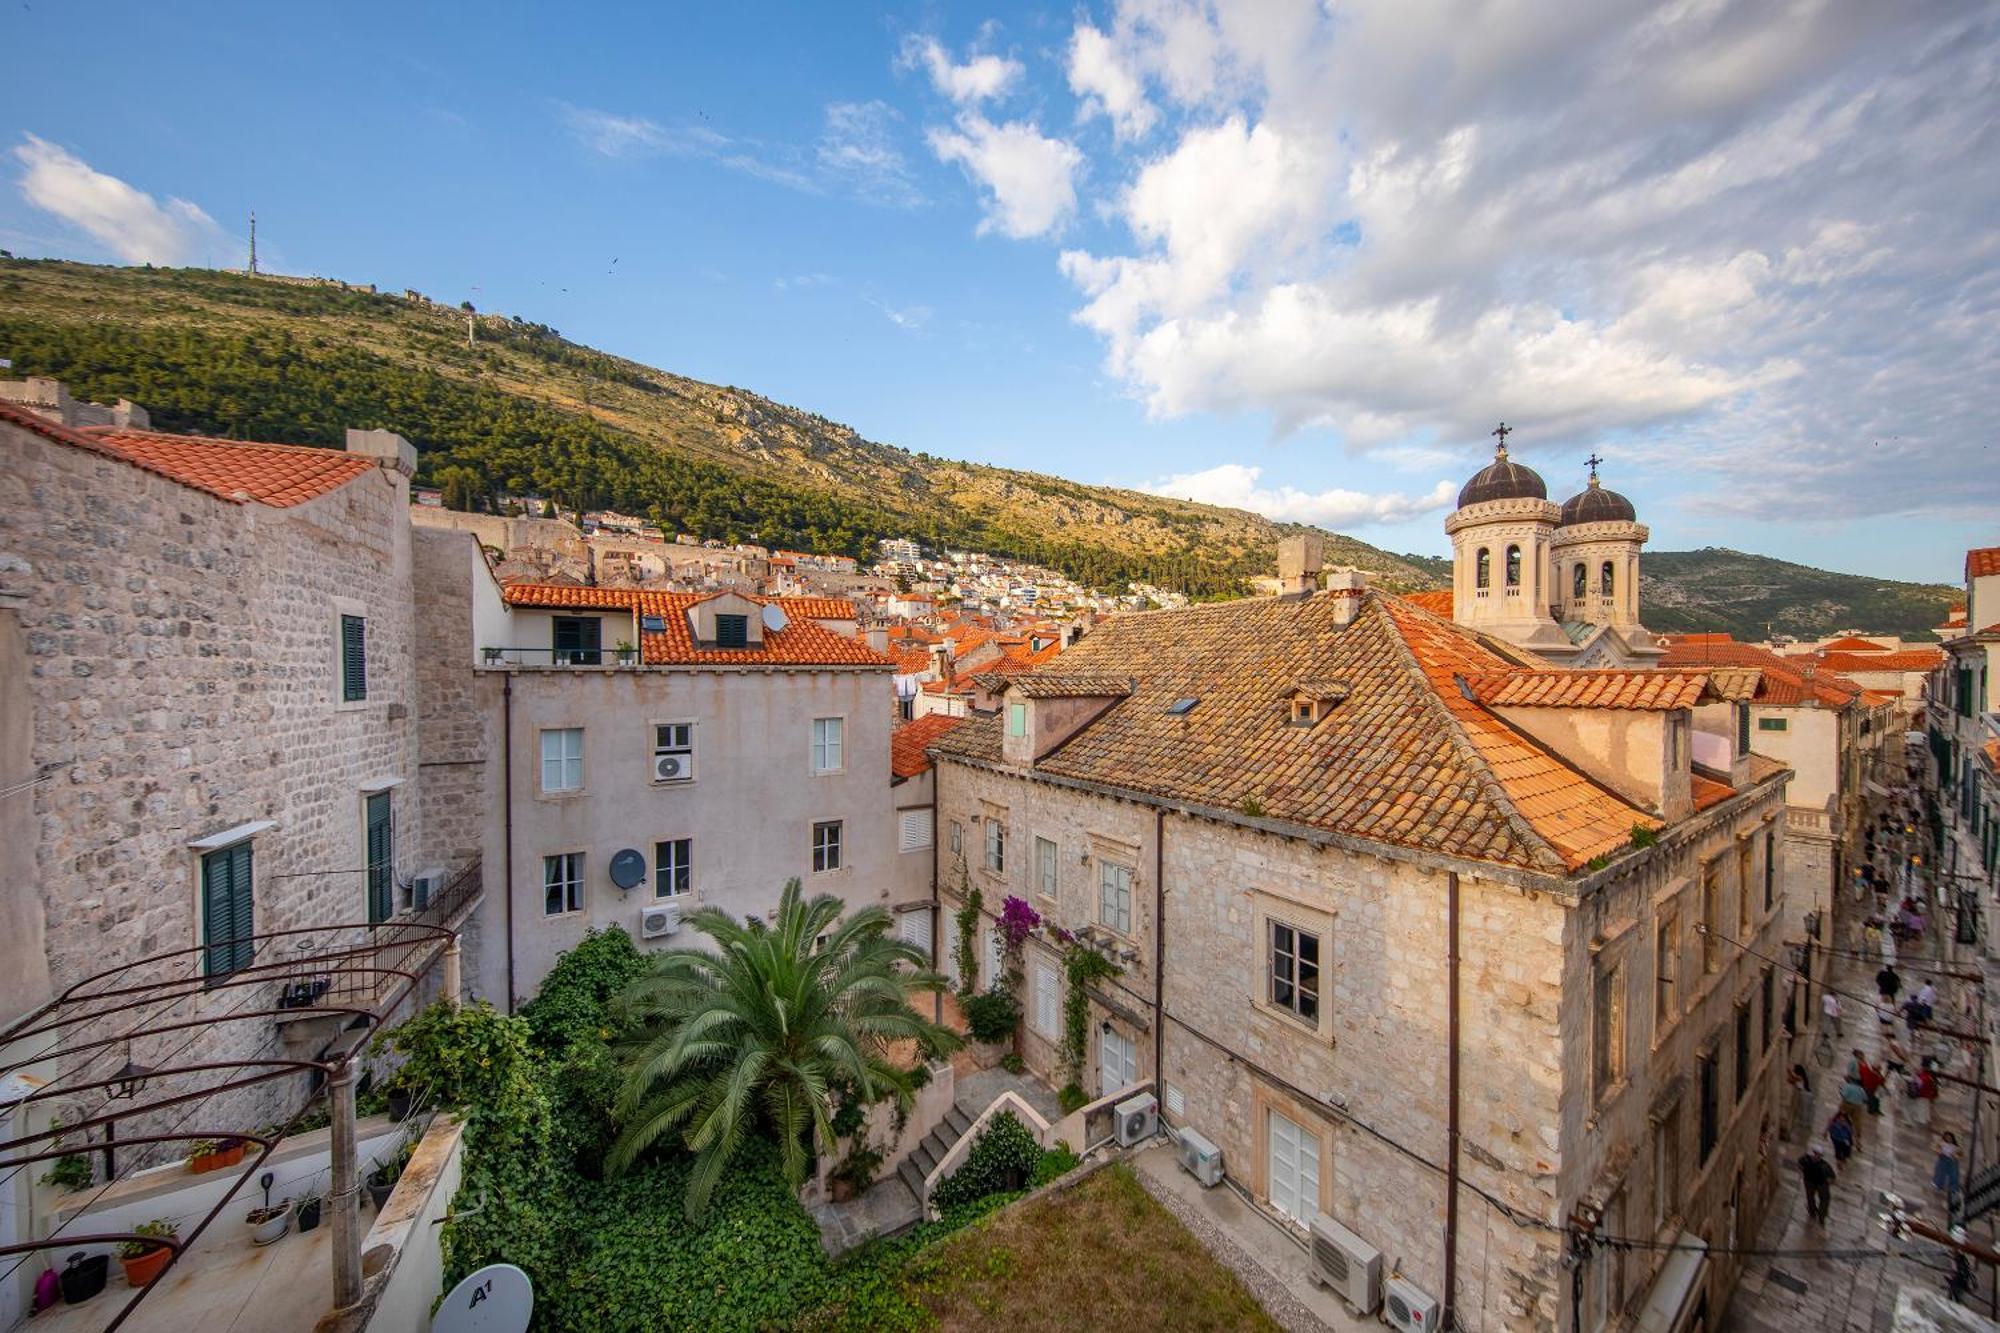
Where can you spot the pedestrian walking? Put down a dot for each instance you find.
(1799, 1127)
(1854, 1101)
(1871, 1080)
(1829, 1005)
(1888, 985)
(1817, 1174)
(1944, 1173)
(1924, 1091)
(1871, 933)
(1840, 1133)
(1896, 1061)
(1926, 998)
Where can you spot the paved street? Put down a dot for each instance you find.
(1845, 1275)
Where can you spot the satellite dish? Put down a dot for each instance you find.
(496, 1299)
(775, 618)
(628, 869)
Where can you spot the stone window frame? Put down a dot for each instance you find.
(838, 846)
(544, 793)
(815, 746)
(1666, 1159)
(655, 750)
(992, 818)
(1105, 865)
(1047, 878)
(577, 879)
(1266, 908)
(339, 608)
(198, 850)
(1611, 976)
(1669, 992)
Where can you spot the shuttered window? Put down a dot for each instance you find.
(381, 859)
(913, 830)
(353, 658)
(228, 919)
(1047, 1001)
(732, 631)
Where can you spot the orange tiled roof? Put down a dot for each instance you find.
(1784, 681)
(1406, 758)
(1561, 688)
(239, 471)
(1437, 602)
(1983, 562)
(803, 642)
(1908, 659)
(1851, 645)
(1708, 792)
(818, 608)
(910, 662)
(909, 741)
(1065, 686)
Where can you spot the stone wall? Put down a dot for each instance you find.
(454, 724)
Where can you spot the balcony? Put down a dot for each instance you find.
(565, 658)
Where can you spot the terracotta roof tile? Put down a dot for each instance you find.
(819, 608)
(1053, 686)
(1707, 792)
(1437, 601)
(1784, 681)
(1908, 659)
(1851, 645)
(803, 642)
(909, 741)
(1649, 690)
(1983, 562)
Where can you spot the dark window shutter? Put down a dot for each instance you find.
(228, 911)
(353, 658)
(381, 860)
(732, 631)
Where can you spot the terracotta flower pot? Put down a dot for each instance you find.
(144, 1268)
(215, 1161)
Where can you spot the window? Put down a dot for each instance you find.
(1482, 568)
(1666, 1165)
(1770, 868)
(957, 838)
(562, 883)
(1742, 728)
(1114, 893)
(1770, 997)
(1579, 582)
(1742, 1050)
(913, 830)
(1711, 1110)
(228, 916)
(732, 631)
(1045, 867)
(1666, 970)
(673, 867)
(1513, 566)
(1746, 897)
(578, 640)
(1711, 916)
(826, 846)
(828, 737)
(1017, 719)
(1772, 724)
(353, 658)
(562, 759)
(1608, 1034)
(996, 845)
(1604, 579)
(1048, 1005)
(673, 752)
(1295, 971)
(381, 857)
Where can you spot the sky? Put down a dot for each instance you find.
(1289, 256)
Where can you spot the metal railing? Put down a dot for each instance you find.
(559, 657)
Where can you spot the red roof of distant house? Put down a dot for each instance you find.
(906, 746)
(1851, 645)
(1983, 562)
(1437, 601)
(239, 471)
(803, 641)
(1785, 681)
(911, 662)
(1907, 659)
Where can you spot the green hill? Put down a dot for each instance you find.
(1754, 595)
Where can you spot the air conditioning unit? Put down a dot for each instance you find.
(673, 768)
(1201, 1159)
(1408, 1310)
(1347, 1264)
(424, 887)
(656, 923)
(1138, 1119)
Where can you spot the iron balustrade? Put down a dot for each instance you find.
(559, 657)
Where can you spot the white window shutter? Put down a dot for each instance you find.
(915, 928)
(1047, 1001)
(913, 830)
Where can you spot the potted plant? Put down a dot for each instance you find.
(269, 1223)
(214, 1154)
(69, 1173)
(400, 1096)
(382, 1180)
(627, 654)
(83, 1277)
(309, 1213)
(492, 655)
(143, 1261)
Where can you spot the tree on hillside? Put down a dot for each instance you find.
(461, 487)
(758, 1032)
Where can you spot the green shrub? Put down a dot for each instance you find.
(1071, 1097)
(1003, 1158)
(991, 1016)
(1057, 1161)
(1013, 1063)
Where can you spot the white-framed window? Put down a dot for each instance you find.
(1045, 867)
(1047, 1017)
(562, 883)
(827, 738)
(913, 829)
(562, 759)
(826, 846)
(673, 867)
(673, 752)
(1294, 971)
(1117, 1062)
(1114, 896)
(996, 846)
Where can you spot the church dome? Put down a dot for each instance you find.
(1503, 479)
(1594, 504)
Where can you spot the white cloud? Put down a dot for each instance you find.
(1239, 486)
(859, 146)
(978, 79)
(1106, 86)
(614, 135)
(126, 221)
(1029, 179)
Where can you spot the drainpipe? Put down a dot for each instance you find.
(507, 805)
(1160, 954)
(937, 903)
(1449, 1321)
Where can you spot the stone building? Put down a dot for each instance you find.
(1394, 903)
(1962, 724)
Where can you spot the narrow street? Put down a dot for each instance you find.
(1845, 1275)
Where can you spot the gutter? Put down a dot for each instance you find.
(1160, 953)
(507, 857)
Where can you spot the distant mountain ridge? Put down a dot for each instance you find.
(524, 410)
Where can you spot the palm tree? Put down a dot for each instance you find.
(761, 1029)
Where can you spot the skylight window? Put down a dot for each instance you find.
(1181, 707)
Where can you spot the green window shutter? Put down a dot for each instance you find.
(381, 860)
(732, 631)
(353, 658)
(228, 912)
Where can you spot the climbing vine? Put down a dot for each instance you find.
(1082, 965)
(967, 951)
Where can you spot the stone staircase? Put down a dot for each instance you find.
(932, 1150)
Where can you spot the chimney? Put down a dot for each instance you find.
(941, 659)
(1299, 559)
(878, 639)
(1346, 587)
(387, 448)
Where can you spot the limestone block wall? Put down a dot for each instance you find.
(459, 782)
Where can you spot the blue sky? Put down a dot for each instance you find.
(1254, 253)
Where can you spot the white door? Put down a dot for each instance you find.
(1294, 1170)
(1118, 1064)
